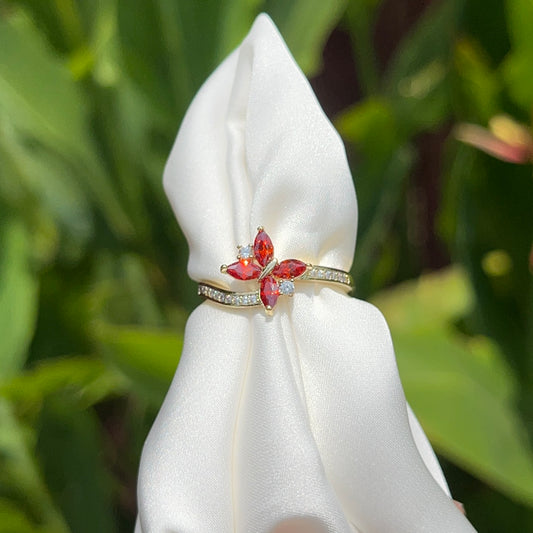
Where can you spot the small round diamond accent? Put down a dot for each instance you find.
(246, 252)
(286, 288)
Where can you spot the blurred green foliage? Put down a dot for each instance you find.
(93, 291)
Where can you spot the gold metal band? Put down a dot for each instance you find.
(253, 299)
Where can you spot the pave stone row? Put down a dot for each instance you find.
(327, 274)
(242, 299)
(249, 299)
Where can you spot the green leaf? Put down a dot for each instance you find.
(519, 22)
(15, 520)
(417, 80)
(517, 73)
(460, 388)
(20, 476)
(305, 26)
(383, 164)
(148, 357)
(70, 447)
(35, 88)
(18, 297)
(493, 200)
(361, 18)
(179, 44)
(47, 180)
(38, 95)
(434, 300)
(379, 193)
(479, 84)
(88, 379)
(208, 31)
(234, 23)
(371, 126)
(517, 67)
(123, 291)
(153, 58)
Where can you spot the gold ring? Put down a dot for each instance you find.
(275, 277)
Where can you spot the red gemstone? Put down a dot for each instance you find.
(269, 292)
(289, 269)
(244, 269)
(263, 248)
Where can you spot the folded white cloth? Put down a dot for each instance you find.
(297, 422)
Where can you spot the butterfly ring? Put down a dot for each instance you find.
(275, 278)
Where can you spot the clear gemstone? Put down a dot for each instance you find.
(246, 252)
(286, 287)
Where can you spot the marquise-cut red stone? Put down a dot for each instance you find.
(289, 269)
(269, 292)
(263, 248)
(244, 269)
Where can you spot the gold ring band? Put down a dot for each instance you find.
(253, 298)
(275, 278)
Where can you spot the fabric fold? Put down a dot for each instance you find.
(295, 422)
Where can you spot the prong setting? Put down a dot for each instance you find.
(246, 252)
(257, 262)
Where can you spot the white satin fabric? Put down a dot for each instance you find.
(295, 423)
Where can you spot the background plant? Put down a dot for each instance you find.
(93, 291)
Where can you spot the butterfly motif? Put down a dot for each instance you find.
(258, 262)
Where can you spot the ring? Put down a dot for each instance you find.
(275, 277)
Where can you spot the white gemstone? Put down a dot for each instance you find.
(286, 287)
(246, 252)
